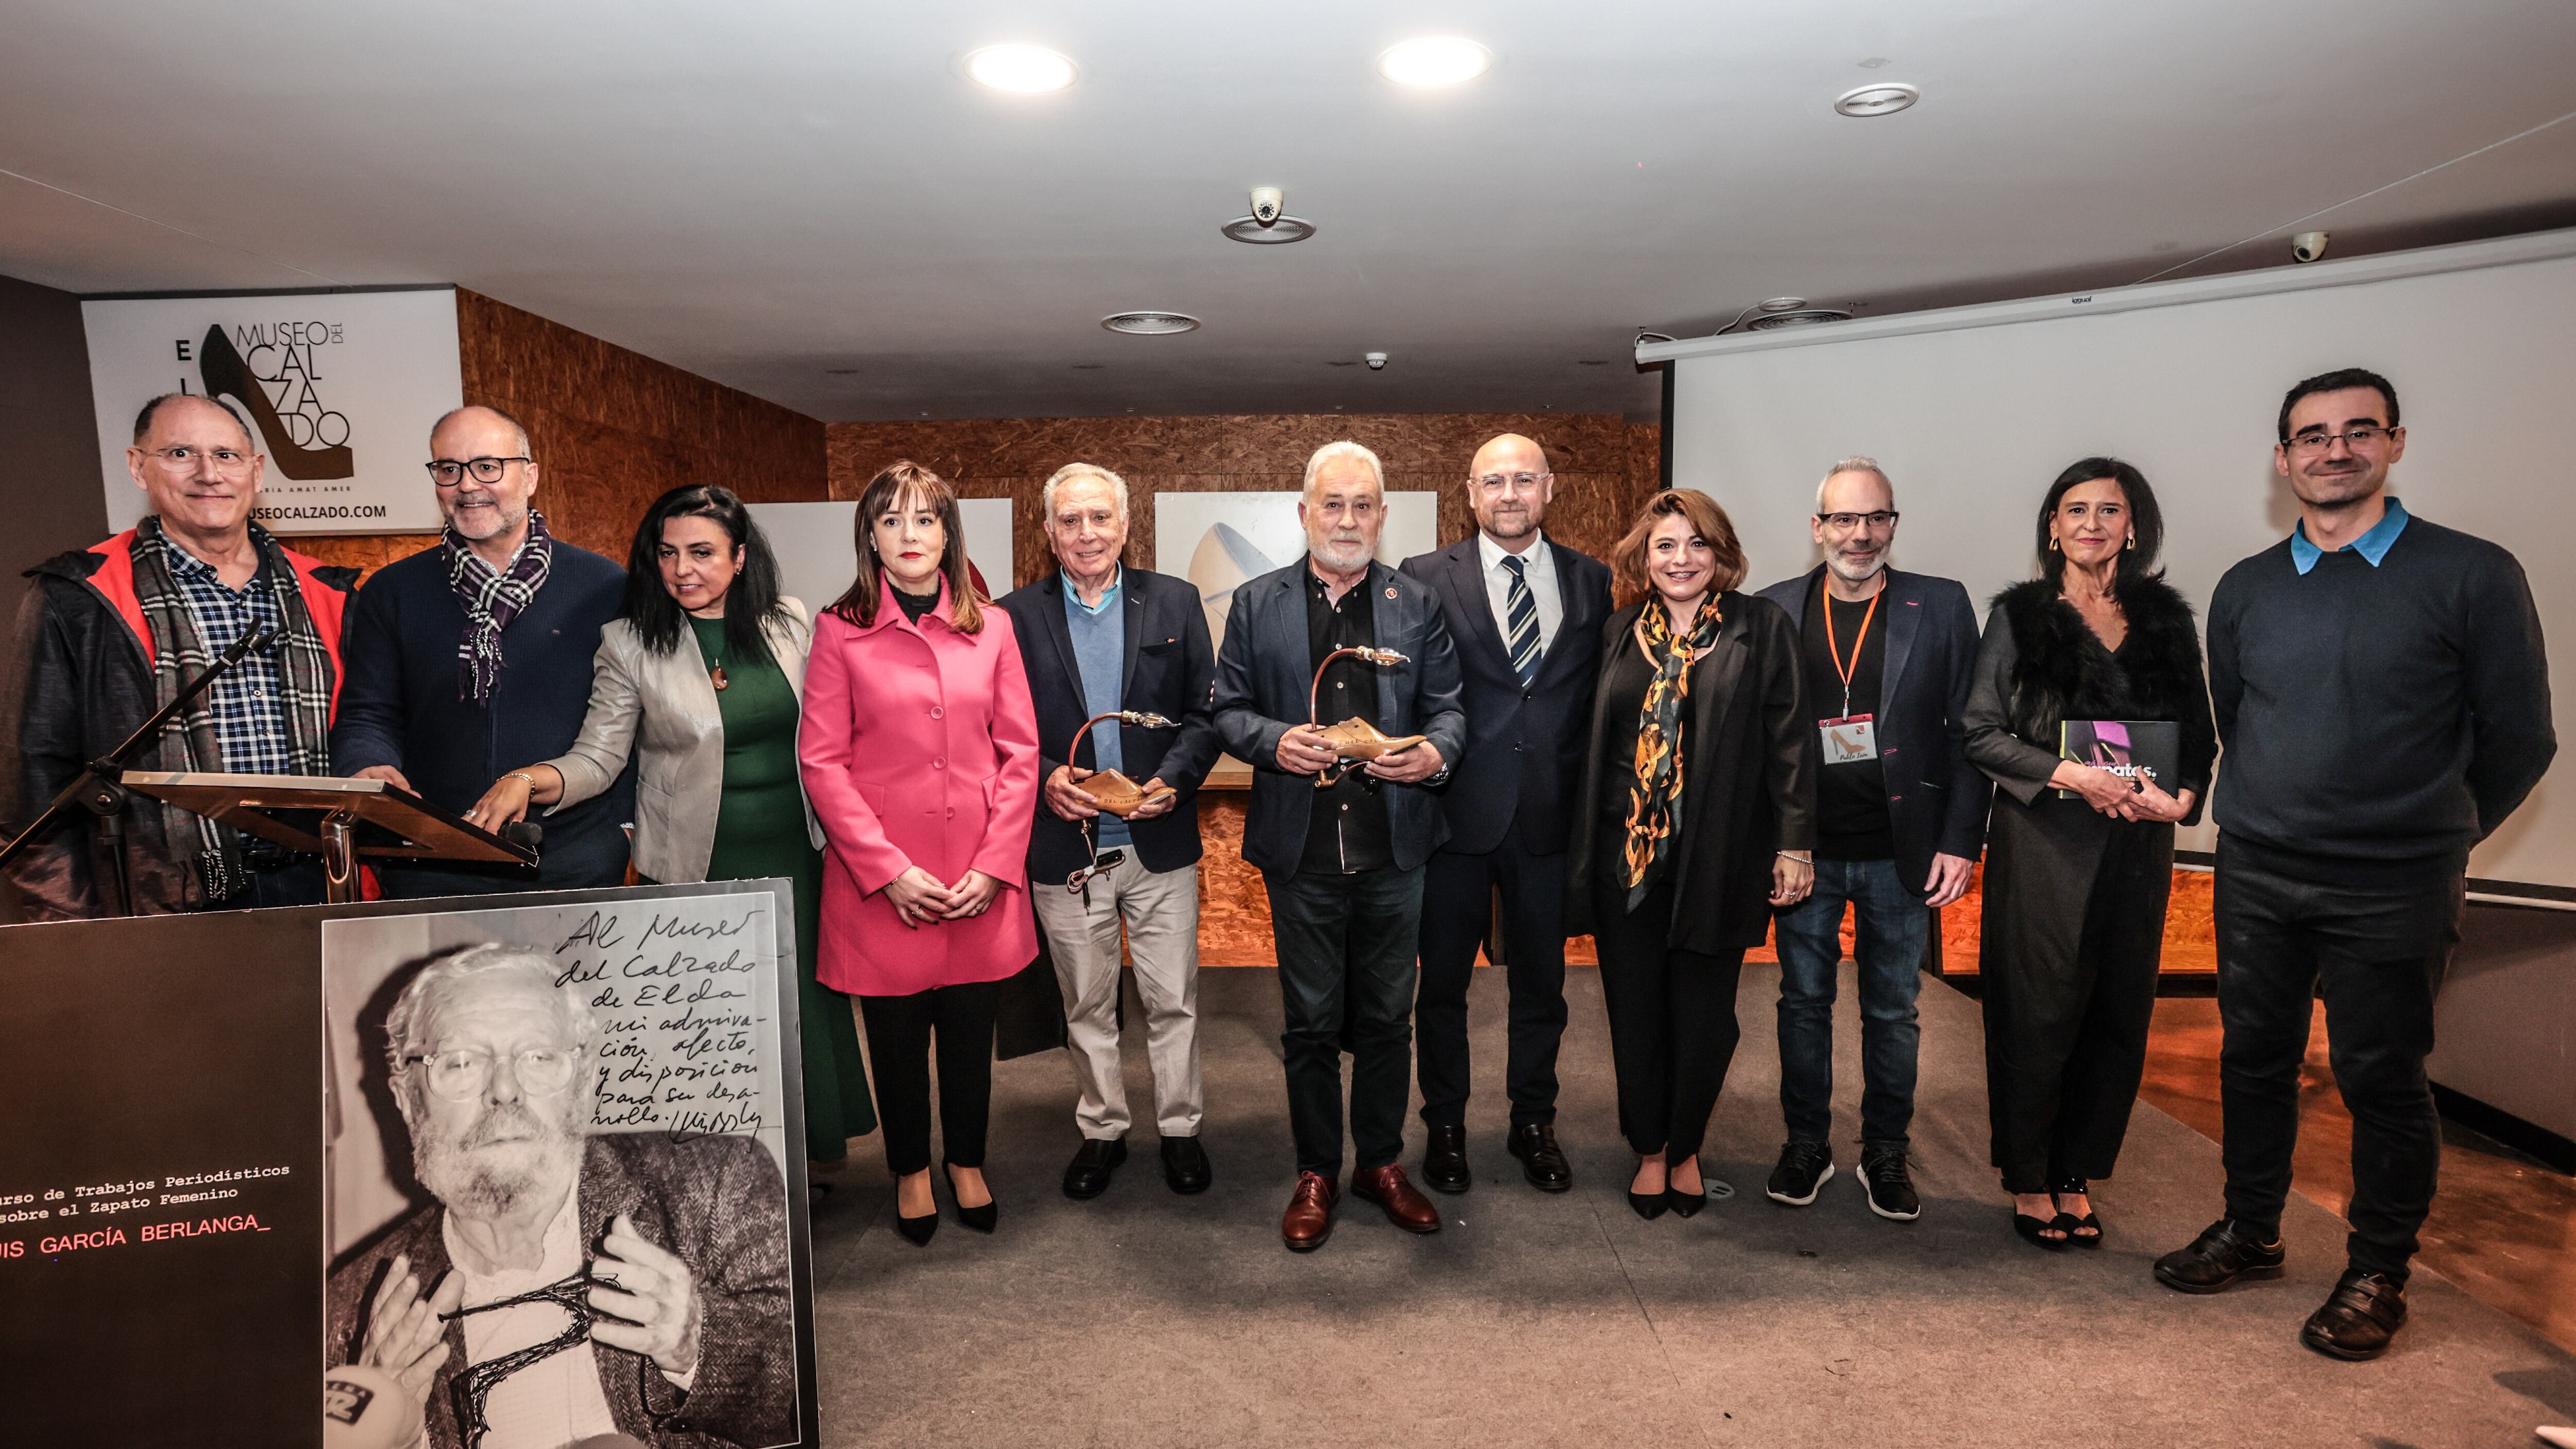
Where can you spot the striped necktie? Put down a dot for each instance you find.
(1520, 621)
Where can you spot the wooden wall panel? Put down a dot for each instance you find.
(1595, 457)
(612, 429)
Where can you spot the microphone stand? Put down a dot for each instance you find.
(97, 788)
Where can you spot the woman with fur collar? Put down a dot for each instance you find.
(2079, 860)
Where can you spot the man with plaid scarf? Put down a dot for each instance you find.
(474, 657)
(110, 634)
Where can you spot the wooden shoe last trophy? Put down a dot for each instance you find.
(1111, 790)
(1354, 740)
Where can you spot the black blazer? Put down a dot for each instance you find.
(1264, 673)
(1170, 671)
(1524, 746)
(1748, 783)
(1936, 800)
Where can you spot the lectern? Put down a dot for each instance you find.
(340, 820)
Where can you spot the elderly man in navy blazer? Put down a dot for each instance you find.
(1341, 845)
(1525, 612)
(1100, 638)
(1901, 815)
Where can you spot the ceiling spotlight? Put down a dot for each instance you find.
(1784, 304)
(1150, 324)
(1022, 69)
(1268, 225)
(1434, 60)
(1878, 100)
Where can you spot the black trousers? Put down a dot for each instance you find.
(1672, 1023)
(1346, 978)
(1457, 905)
(2074, 932)
(899, 1032)
(2378, 942)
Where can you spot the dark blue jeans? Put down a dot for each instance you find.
(1894, 930)
(1346, 982)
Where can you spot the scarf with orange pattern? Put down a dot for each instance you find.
(1655, 790)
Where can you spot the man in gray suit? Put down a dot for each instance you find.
(1338, 637)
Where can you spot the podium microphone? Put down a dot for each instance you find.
(525, 833)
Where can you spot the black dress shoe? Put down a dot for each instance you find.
(917, 1231)
(981, 1219)
(1444, 1162)
(1087, 1176)
(2221, 1254)
(1185, 1165)
(1542, 1161)
(2359, 1318)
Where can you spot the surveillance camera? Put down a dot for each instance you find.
(1377, 362)
(2307, 246)
(1267, 202)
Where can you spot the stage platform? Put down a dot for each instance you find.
(1146, 1319)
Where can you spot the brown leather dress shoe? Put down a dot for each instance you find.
(1309, 1219)
(1405, 1207)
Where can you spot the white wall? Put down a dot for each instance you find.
(816, 545)
(1973, 424)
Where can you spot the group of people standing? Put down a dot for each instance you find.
(1635, 750)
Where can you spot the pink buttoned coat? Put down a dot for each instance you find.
(919, 747)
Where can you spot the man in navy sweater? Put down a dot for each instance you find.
(474, 657)
(2383, 698)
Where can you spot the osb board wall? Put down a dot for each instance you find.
(1605, 467)
(611, 429)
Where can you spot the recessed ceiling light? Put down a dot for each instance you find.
(1022, 69)
(1434, 60)
(1784, 304)
(1284, 229)
(1878, 100)
(1150, 324)
(1800, 317)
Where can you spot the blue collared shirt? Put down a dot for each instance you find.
(2372, 546)
(1099, 634)
(250, 715)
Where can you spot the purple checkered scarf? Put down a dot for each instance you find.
(491, 600)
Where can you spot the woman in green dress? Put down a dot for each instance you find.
(700, 679)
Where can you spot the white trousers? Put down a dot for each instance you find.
(1161, 915)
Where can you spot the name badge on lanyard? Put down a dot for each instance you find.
(1853, 738)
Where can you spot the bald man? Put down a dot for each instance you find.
(474, 657)
(1526, 613)
(107, 636)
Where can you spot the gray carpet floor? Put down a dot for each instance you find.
(1143, 1318)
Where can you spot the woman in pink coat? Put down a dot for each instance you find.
(920, 754)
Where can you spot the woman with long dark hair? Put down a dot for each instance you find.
(698, 680)
(1697, 819)
(920, 751)
(2079, 857)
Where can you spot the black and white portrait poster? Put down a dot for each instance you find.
(558, 1196)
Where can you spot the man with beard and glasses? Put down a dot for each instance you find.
(564, 1285)
(1525, 613)
(1340, 844)
(472, 658)
(2382, 693)
(1901, 815)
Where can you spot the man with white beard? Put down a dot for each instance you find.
(565, 1285)
(1900, 818)
(1325, 663)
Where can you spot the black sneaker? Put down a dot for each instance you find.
(2359, 1318)
(1890, 1189)
(2221, 1254)
(1804, 1167)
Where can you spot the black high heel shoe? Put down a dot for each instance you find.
(916, 1231)
(981, 1219)
(1650, 1205)
(2083, 1232)
(1684, 1204)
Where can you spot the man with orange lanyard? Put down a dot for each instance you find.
(1900, 818)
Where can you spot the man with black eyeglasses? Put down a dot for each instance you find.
(474, 657)
(111, 633)
(1901, 815)
(2382, 696)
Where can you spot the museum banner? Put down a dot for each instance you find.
(338, 389)
(481, 1173)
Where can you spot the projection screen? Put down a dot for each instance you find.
(1974, 410)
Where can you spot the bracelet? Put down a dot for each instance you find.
(522, 775)
(1807, 859)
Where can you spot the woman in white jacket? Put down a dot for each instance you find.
(700, 678)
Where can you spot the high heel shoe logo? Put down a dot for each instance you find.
(307, 442)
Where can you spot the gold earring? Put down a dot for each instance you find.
(2052, 544)
(2133, 540)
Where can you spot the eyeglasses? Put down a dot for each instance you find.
(448, 472)
(1883, 518)
(462, 1074)
(1496, 482)
(2368, 435)
(185, 457)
